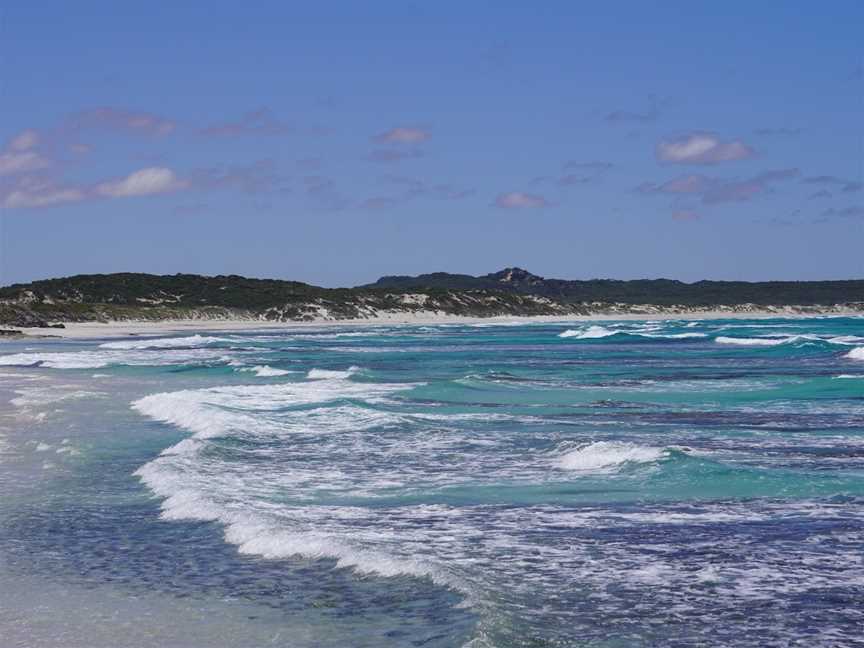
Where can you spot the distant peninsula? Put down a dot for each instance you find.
(510, 292)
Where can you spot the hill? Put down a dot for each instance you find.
(661, 292)
(512, 291)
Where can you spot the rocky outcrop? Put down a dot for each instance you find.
(21, 315)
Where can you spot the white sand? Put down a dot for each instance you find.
(80, 330)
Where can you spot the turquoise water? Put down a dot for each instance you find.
(633, 483)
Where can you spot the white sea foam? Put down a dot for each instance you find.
(165, 343)
(258, 539)
(214, 411)
(265, 371)
(673, 336)
(192, 490)
(773, 340)
(761, 341)
(592, 332)
(850, 376)
(95, 359)
(327, 374)
(845, 339)
(39, 396)
(598, 332)
(606, 455)
(856, 354)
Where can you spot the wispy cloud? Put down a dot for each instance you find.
(33, 191)
(685, 215)
(30, 192)
(387, 156)
(701, 148)
(846, 186)
(645, 115)
(309, 164)
(685, 184)
(575, 173)
(121, 119)
(855, 211)
(719, 190)
(595, 165)
(261, 122)
(778, 132)
(520, 200)
(191, 208)
(629, 117)
(572, 179)
(380, 202)
(19, 154)
(743, 190)
(12, 162)
(403, 135)
(324, 193)
(24, 141)
(257, 177)
(415, 187)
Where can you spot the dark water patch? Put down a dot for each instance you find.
(127, 546)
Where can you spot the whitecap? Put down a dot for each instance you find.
(672, 336)
(216, 410)
(846, 339)
(165, 343)
(606, 455)
(265, 371)
(592, 332)
(755, 341)
(327, 374)
(97, 359)
(856, 354)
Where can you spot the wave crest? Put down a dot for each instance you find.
(591, 333)
(165, 343)
(856, 354)
(602, 456)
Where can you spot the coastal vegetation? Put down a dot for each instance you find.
(512, 291)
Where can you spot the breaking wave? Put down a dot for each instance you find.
(603, 456)
(599, 332)
(265, 371)
(166, 343)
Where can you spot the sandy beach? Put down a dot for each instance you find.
(86, 330)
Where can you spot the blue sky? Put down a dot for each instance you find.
(336, 142)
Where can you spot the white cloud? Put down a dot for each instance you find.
(702, 148)
(519, 200)
(20, 161)
(153, 180)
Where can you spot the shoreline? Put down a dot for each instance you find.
(126, 328)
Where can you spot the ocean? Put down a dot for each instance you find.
(615, 484)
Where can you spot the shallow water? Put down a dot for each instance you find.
(607, 484)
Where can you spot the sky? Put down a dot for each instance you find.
(336, 142)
